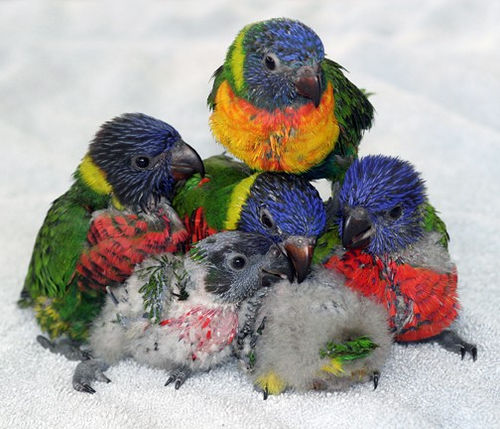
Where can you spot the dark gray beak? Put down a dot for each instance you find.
(308, 84)
(277, 267)
(357, 229)
(300, 250)
(185, 162)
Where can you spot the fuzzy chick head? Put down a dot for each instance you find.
(141, 157)
(276, 63)
(381, 205)
(237, 264)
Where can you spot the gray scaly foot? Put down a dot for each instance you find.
(453, 343)
(88, 371)
(66, 347)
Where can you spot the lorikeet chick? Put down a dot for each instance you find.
(179, 313)
(317, 335)
(283, 207)
(396, 251)
(280, 105)
(115, 214)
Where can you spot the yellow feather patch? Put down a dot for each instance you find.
(93, 176)
(291, 140)
(271, 382)
(237, 60)
(238, 198)
(333, 367)
(49, 319)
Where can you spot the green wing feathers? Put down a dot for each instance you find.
(57, 248)
(432, 222)
(353, 110)
(218, 78)
(349, 350)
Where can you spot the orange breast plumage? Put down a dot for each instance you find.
(291, 139)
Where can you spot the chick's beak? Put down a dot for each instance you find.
(357, 229)
(300, 251)
(308, 84)
(185, 161)
(277, 267)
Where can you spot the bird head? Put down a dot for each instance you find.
(380, 205)
(276, 64)
(237, 264)
(286, 209)
(139, 158)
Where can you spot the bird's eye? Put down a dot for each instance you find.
(266, 219)
(238, 262)
(396, 212)
(141, 162)
(270, 61)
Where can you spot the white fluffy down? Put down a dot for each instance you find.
(147, 343)
(302, 318)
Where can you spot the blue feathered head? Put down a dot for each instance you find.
(141, 158)
(281, 64)
(381, 205)
(288, 210)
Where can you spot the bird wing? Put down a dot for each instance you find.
(432, 222)
(58, 246)
(218, 78)
(354, 114)
(119, 241)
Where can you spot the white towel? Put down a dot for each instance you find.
(66, 67)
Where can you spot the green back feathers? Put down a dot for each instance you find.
(214, 196)
(349, 350)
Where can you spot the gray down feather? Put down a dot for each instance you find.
(299, 319)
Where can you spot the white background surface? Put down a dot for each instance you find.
(66, 67)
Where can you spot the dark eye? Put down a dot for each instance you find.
(266, 219)
(238, 262)
(141, 162)
(395, 212)
(270, 62)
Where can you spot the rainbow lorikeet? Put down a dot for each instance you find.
(317, 335)
(397, 251)
(179, 312)
(283, 207)
(115, 213)
(279, 105)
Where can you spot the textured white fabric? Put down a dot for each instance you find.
(434, 67)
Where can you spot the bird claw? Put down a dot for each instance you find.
(68, 348)
(375, 379)
(266, 393)
(88, 371)
(453, 343)
(179, 375)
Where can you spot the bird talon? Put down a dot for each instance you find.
(88, 389)
(474, 353)
(266, 393)
(170, 379)
(375, 378)
(462, 352)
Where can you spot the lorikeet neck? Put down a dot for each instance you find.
(291, 140)
(91, 187)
